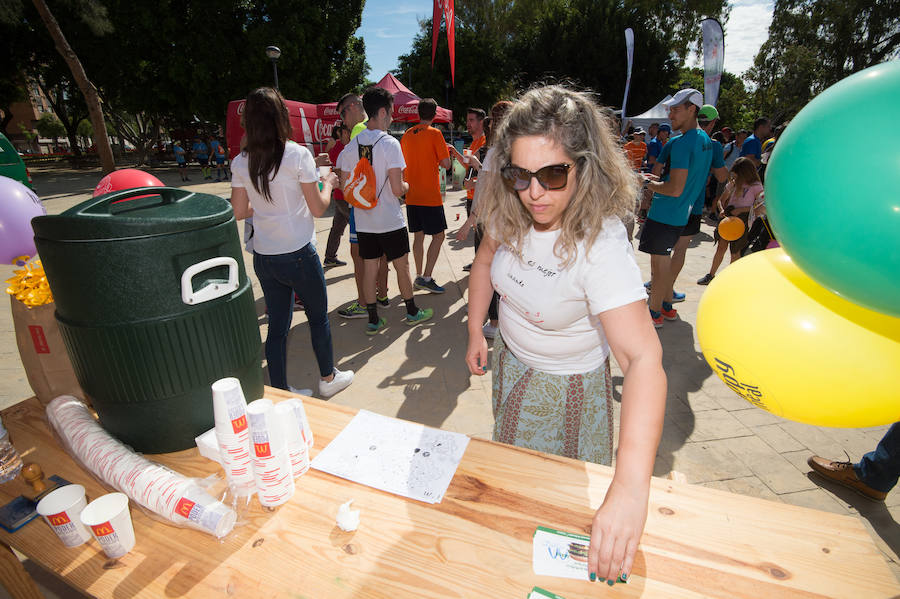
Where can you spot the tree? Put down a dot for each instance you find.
(91, 97)
(503, 46)
(813, 44)
(734, 100)
(49, 126)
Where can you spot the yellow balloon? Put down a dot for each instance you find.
(788, 345)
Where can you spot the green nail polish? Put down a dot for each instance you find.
(593, 577)
(623, 577)
(610, 582)
(602, 579)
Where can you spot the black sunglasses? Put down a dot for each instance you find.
(552, 177)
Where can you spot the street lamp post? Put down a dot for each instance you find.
(274, 52)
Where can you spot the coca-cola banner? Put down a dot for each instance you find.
(311, 124)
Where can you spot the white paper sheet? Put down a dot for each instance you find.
(393, 455)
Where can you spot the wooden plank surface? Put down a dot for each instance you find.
(698, 542)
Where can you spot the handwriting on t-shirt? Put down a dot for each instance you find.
(547, 272)
(518, 282)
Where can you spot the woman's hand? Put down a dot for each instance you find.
(476, 354)
(616, 531)
(323, 160)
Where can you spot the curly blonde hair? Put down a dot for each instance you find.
(605, 185)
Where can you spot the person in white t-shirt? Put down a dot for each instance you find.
(381, 230)
(275, 181)
(556, 251)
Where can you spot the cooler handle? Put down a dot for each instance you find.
(213, 290)
(111, 203)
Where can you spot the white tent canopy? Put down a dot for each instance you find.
(657, 114)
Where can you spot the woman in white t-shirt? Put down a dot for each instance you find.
(275, 181)
(557, 252)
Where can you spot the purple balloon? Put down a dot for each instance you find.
(18, 205)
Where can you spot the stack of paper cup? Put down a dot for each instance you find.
(300, 414)
(157, 488)
(271, 460)
(109, 521)
(297, 447)
(233, 434)
(61, 509)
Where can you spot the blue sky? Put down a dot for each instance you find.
(389, 26)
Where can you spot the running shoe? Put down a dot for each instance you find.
(371, 329)
(423, 315)
(431, 285)
(354, 310)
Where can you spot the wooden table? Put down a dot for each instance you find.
(698, 542)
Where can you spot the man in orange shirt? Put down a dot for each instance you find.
(636, 149)
(424, 150)
(475, 127)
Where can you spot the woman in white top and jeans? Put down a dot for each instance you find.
(276, 182)
(556, 251)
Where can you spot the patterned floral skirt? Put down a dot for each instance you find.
(569, 415)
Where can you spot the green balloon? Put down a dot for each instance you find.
(833, 188)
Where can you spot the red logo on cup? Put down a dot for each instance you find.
(59, 519)
(101, 530)
(38, 338)
(239, 424)
(184, 507)
(262, 450)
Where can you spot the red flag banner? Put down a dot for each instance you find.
(436, 16)
(451, 37)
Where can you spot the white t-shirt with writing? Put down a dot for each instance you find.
(285, 224)
(387, 215)
(548, 314)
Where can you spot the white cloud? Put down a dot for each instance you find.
(403, 9)
(747, 29)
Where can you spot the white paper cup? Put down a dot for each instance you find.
(109, 521)
(324, 171)
(229, 405)
(61, 510)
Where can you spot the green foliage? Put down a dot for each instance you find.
(84, 129)
(49, 126)
(813, 44)
(503, 46)
(178, 61)
(734, 105)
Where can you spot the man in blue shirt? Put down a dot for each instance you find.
(684, 177)
(180, 160)
(656, 143)
(707, 119)
(752, 147)
(201, 155)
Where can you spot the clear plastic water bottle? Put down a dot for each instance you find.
(10, 460)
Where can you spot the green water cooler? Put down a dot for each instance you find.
(154, 305)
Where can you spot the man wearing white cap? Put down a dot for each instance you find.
(684, 175)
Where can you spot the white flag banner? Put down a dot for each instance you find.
(629, 50)
(713, 59)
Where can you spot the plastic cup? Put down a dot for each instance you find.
(109, 521)
(61, 509)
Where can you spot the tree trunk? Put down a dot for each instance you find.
(91, 97)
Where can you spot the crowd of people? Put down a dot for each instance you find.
(552, 193)
(207, 152)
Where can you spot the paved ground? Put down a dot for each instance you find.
(711, 435)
